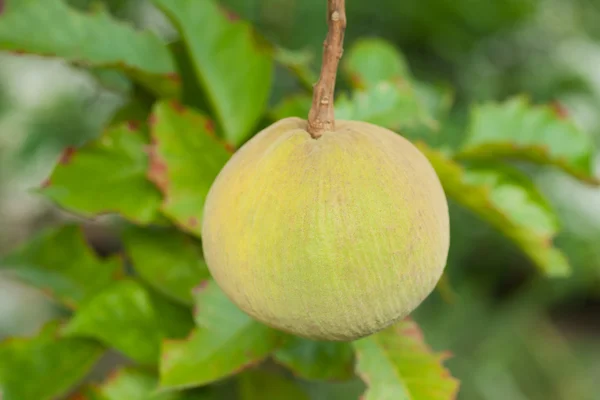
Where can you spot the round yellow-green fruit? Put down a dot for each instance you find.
(333, 238)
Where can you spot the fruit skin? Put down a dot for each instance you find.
(331, 239)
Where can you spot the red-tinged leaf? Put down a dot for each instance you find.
(107, 176)
(507, 200)
(397, 364)
(185, 160)
(540, 134)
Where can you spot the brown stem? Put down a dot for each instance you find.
(321, 117)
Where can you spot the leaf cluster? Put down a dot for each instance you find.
(195, 101)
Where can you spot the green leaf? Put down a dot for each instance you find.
(396, 364)
(324, 390)
(44, 367)
(136, 108)
(168, 260)
(124, 317)
(372, 61)
(135, 384)
(51, 28)
(192, 92)
(300, 62)
(387, 95)
(541, 134)
(225, 341)
(393, 106)
(107, 175)
(235, 73)
(67, 120)
(185, 160)
(514, 192)
(507, 200)
(310, 359)
(436, 98)
(129, 383)
(175, 319)
(293, 106)
(260, 385)
(60, 263)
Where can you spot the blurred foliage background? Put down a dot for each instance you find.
(514, 335)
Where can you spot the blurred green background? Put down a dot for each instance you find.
(513, 334)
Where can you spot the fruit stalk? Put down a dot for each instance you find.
(321, 117)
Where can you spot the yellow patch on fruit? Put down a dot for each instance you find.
(332, 238)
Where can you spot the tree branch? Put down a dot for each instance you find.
(321, 117)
